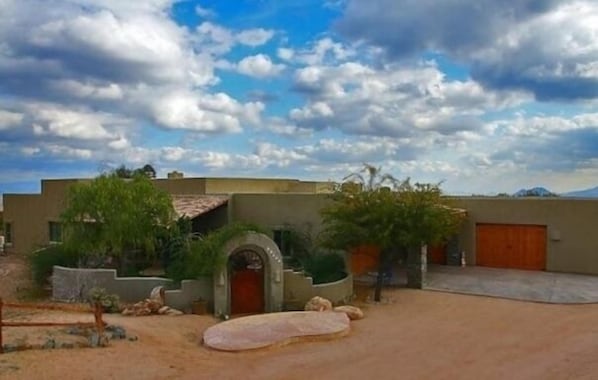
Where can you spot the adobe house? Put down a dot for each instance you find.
(259, 281)
(32, 221)
(551, 234)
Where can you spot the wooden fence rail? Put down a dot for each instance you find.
(99, 324)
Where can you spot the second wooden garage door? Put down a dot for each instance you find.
(511, 246)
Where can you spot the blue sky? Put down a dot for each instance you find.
(485, 96)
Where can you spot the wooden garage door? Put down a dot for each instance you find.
(511, 246)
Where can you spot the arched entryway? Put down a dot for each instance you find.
(247, 252)
(246, 273)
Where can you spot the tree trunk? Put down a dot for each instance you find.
(380, 276)
(416, 266)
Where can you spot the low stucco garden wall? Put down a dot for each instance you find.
(298, 289)
(73, 285)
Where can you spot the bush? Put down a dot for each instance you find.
(325, 267)
(43, 260)
(110, 302)
(205, 255)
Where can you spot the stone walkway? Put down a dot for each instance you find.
(536, 286)
(275, 329)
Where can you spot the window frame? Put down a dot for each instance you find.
(279, 233)
(8, 234)
(52, 231)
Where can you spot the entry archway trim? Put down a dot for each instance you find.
(268, 251)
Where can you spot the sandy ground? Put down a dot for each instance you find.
(414, 335)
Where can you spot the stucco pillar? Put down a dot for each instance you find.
(416, 266)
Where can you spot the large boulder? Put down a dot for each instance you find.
(353, 312)
(318, 304)
(157, 295)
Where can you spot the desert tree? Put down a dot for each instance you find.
(115, 217)
(374, 208)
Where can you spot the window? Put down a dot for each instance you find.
(55, 232)
(282, 238)
(8, 233)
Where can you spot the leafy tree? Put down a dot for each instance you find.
(124, 172)
(375, 208)
(148, 170)
(536, 192)
(116, 218)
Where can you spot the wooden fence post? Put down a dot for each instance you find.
(96, 310)
(1, 346)
(97, 313)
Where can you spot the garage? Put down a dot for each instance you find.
(514, 246)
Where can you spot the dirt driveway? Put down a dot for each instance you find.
(418, 335)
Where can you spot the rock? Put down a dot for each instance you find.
(96, 340)
(141, 311)
(353, 312)
(117, 332)
(138, 309)
(157, 295)
(149, 306)
(10, 347)
(174, 312)
(318, 304)
(49, 344)
(153, 305)
(75, 330)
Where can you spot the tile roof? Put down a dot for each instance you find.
(194, 205)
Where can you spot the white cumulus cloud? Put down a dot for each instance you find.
(259, 66)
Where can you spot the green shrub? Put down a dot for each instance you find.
(324, 267)
(43, 260)
(205, 255)
(110, 302)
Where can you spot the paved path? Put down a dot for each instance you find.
(537, 286)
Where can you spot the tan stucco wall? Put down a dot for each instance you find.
(572, 241)
(261, 185)
(29, 215)
(18, 209)
(239, 185)
(181, 185)
(275, 210)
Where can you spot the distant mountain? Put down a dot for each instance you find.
(535, 192)
(587, 193)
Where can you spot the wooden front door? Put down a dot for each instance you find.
(511, 246)
(246, 283)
